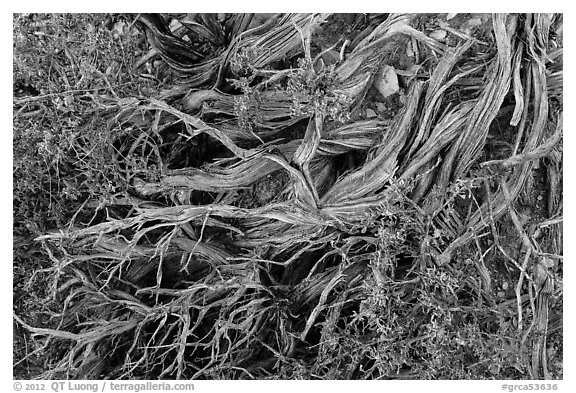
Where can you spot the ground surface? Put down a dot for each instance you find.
(352, 196)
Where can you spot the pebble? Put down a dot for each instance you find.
(474, 22)
(403, 98)
(501, 294)
(439, 35)
(370, 113)
(380, 107)
(505, 286)
(548, 262)
(174, 24)
(410, 50)
(386, 81)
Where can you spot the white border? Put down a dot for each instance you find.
(300, 6)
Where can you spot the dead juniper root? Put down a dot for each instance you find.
(380, 201)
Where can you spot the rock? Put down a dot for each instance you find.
(439, 35)
(380, 107)
(474, 22)
(403, 98)
(471, 24)
(370, 113)
(548, 262)
(386, 81)
(68, 100)
(410, 50)
(174, 25)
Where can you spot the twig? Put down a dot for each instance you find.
(320, 305)
(541, 151)
(519, 288)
